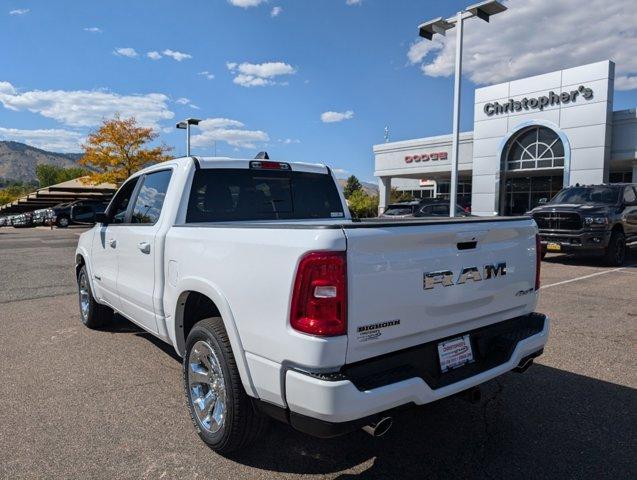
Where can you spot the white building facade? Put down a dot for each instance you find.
(531, 137)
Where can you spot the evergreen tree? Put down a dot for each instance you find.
(352, 185)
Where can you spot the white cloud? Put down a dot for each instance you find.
(250, 81)
(276, 11)
(86, 108)
(266, 70)
(332, 117)
(420, 49)
(175, 55)
(246, 3)
(93, 30)
(186, 101)
(7, 89)
(353, 2)
(259, 74)
(536, 36)
(289, 141)
(19, 11)
(340, 172)
(54, 139)
(125, 52)
(207, 75)
(227, 130)
(213, 123)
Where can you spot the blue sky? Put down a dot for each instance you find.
(272, 74)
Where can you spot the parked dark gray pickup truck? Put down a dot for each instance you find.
(590, 219)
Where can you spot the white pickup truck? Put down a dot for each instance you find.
(283, 306)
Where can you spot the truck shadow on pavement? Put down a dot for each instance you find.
(121, 325)
(590, 260)
(545, 423)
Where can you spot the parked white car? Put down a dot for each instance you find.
(282, 306)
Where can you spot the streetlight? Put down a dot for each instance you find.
(482, 10)
(185, 125)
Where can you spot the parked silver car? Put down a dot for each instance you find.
(423, 208)
(401, 210)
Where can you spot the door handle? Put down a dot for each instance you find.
(144, 247)
(112, 242)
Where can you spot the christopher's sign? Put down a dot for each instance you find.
(540, 102)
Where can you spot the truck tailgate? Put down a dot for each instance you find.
(390, 309)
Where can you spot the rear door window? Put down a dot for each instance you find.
(232, 194)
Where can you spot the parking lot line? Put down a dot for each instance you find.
(584, 277)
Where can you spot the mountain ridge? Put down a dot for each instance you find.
(18, 161)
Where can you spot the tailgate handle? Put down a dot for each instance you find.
(467, 245)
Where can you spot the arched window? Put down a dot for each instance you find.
(535, 147)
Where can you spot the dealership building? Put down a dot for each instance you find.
(530, 138)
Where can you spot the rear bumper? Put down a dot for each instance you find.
(341, 405)
(584, 241)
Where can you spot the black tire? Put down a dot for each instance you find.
(616, 251)
(242, 423)
(543, 254)
(62, 222)
(96, 315)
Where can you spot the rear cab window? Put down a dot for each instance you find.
(219, 195)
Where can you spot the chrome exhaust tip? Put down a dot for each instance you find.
(379, 428)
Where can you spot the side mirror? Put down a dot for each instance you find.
(543, 201)
(101, 218)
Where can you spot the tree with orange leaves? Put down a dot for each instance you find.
(118, 149)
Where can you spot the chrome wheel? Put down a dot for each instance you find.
(207, 387)
(84, 295)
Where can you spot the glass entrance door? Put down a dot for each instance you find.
(524, 193)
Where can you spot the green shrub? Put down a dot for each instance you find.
(362, 205)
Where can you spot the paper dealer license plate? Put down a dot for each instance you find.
(454, 353)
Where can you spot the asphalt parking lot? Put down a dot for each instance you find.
(77, 403)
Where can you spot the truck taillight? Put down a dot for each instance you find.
(538, 260)
(319, 299)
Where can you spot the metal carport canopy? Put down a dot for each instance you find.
(60, 193)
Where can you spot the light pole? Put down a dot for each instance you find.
(185, 125)
(482, 10)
